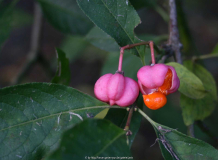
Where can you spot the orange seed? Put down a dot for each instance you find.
(167, 83)
(155, 100)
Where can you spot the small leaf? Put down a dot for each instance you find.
(117, 18)
(92, 138)
(36, 114)
(62, 75)
(198, 109)
(190, 84)
(66, 16)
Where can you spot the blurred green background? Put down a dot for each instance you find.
(88, 63)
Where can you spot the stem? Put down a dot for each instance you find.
(34, 46)
(174, 32)
(129, 118)
(191, 130)
(129, 46)
(146, 117)
(205, 56)
(151, 44)
(174, 42)
(121, 59)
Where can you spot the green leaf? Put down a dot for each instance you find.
(117, 18)
(198, 109)
(92, 138)
(205, 76)
(177, 146)
(36, 114)
(62, 75)
(102, 40)
(183, 147)
(73, 46)
(119, 118)
(66, 16)
(102, 114)
(190, 84)
(131, 64)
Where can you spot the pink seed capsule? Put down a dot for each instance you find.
(159, 77)
(116, 89)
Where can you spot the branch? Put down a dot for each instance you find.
(174, 41)
(212, 55)
(34, 45)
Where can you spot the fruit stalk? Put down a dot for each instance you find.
(129, 46)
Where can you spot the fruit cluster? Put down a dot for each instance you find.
(154, 82)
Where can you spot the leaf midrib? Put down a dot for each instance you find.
(56, 114)
(184, 141)
(121, 26)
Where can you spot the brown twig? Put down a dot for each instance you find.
(174, 41)
(34, 45)
(129, 118)
(129, 46)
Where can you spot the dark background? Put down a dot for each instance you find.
(202, 20)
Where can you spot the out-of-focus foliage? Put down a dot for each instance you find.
(66, 16)
(190, 84)
(198, 109)
(114, 18)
